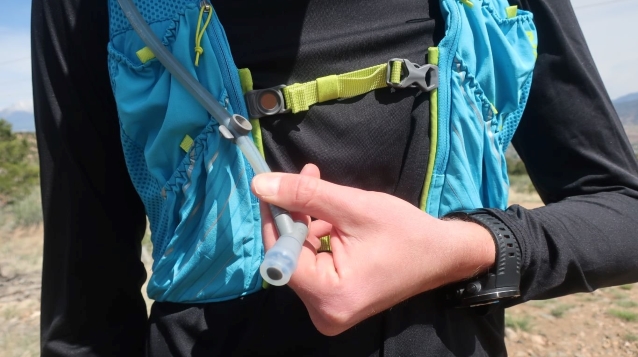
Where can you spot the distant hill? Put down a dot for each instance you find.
(627, 98)
(20, 115)
(20, 121)
(627, 108)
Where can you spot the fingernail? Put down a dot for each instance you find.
(266, 185)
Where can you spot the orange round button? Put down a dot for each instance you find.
(268, 100)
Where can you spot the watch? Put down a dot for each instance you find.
(502, 281)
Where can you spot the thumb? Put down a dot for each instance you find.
(339, 205)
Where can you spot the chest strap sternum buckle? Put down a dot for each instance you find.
(425, 77)
(298, 97)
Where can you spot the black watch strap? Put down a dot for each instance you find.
(502, 281)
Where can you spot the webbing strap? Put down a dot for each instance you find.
(186, 143)
(395, 75)
(145, 54)
(511, 11)
(300, 96)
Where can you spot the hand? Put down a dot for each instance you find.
(384, 250)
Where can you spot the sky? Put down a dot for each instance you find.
(609, 27)
(15, 54)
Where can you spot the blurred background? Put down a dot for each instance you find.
(602, 323)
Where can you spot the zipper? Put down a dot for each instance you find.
(231, 80)
(447, 49)
(223, 51)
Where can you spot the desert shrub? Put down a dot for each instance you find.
(515, 166)
(624, 315)
(522, 323)
(27, 211)
(18, 175)
(560, 310)
(521, 183)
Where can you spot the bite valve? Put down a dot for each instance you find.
(281, 260)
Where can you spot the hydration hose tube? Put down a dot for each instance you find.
(281, 260)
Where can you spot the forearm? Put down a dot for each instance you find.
(580, 244)
(581, 164)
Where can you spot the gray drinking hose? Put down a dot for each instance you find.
(281, 260)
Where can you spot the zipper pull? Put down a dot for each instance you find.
(205, 6)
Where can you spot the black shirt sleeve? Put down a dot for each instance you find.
(94, 220)
(581, 163)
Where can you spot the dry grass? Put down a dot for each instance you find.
(519, 323)
(560, 310)
(20, 266)
(624, 315)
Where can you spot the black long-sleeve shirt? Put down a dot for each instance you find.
(582, 165)
(570, 139)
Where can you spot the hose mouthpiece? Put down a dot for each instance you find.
(281, 260)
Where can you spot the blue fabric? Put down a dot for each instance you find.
(485, 63)
(205, 223)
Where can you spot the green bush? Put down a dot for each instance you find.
(521, 183)
(522, 323)
(626, 303)
(27, 211)
(560, 310)
(625, 315)
(18, 174)
(517, 172)
(515, 166)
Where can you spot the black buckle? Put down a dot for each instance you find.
(414, 75)
(265, 102)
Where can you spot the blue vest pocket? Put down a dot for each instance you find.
(490, 58)
(205, 223)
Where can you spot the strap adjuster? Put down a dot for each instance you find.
(425, 77)
(265, 102)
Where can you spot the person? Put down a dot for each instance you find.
(379, 291)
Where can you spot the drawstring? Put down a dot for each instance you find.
(199, 34)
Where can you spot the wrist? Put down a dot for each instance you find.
(476, 251)
(502, 281)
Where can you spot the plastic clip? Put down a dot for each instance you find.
(425, 77)
(265, 102)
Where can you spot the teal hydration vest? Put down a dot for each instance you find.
(195, 185)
